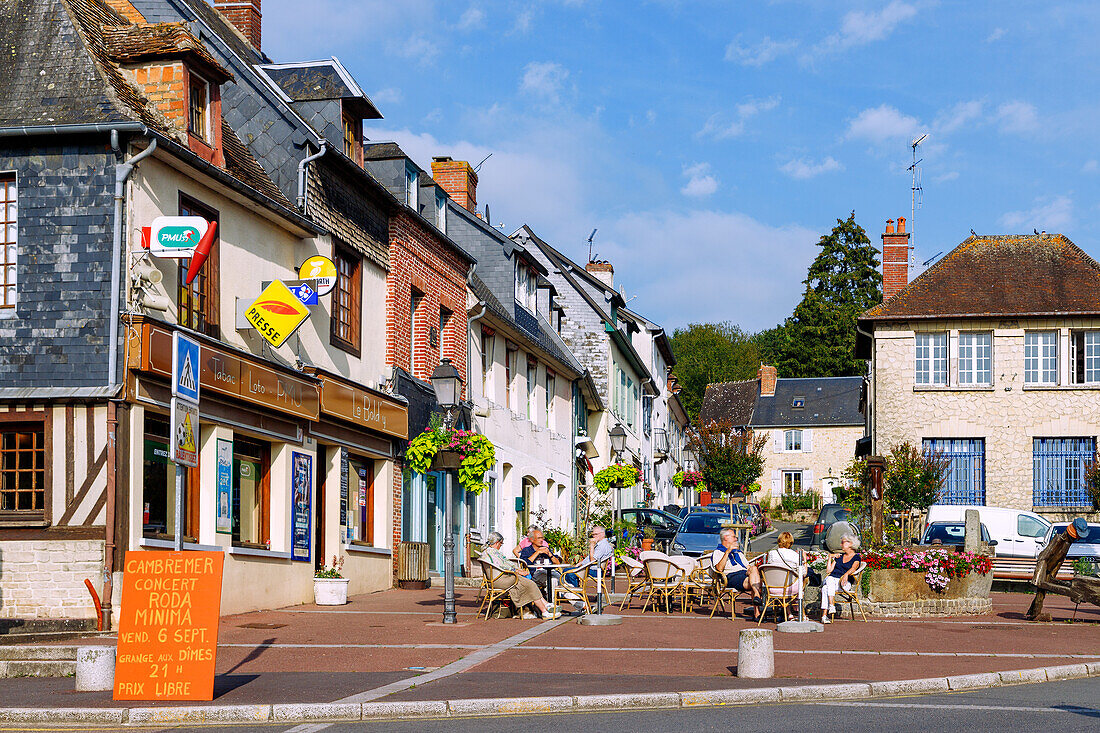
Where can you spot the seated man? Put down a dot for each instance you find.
(599, 549)
(536, 553)
(728, 559)
(525, 541)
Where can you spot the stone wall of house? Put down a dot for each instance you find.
(1006, 414)
(45, 578)
(831, 449)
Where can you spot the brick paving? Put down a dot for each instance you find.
(315, 654)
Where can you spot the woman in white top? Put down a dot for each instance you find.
(785, 556)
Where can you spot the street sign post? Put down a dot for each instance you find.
(184, 433)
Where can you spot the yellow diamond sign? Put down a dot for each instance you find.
(277, 313)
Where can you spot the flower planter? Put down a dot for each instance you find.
(899, 584)
(330, 591)
(446, 460)
(647, 543)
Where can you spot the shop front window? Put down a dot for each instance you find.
(251, 497)
(159, 486)
(361, 501)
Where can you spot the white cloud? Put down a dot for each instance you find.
(860, 28)
(959, 115)
(995, 35)
(1049, 214)
(700, 181)
(803, 168)
(419, 48)
(543, 79)
(1090, 166)
(722, 126)
(759, 54)
(389, 95)
(524, 19)
(882, 124)
(1017, 117)
(473, 17)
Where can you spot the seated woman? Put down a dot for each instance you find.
(525, 591)
(785, 556)
(839, 573)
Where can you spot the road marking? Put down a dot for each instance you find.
(927, 706)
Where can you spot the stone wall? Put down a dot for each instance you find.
(923, 608)
(1007, 414)
(45, 578)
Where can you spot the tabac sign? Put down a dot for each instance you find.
(277, 313)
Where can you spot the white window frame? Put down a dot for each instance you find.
(1092, 357)
(975, 358)
(1041, 357)
(9, 241)
(792, 441)
(532, 383)
(790, 474)
(441, 212)
(551, 389)
(930, 367)
(412, 193)
(487, 344)
(525, 286)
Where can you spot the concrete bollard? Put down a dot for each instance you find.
(95, 668)
(755, 654)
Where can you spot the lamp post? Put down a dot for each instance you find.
(447, 385)
(617, 435)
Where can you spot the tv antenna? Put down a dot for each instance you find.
(917, 189)
(590, 237)
(478, 166)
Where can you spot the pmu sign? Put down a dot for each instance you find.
(176, 236)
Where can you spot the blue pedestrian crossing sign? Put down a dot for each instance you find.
(185, 367)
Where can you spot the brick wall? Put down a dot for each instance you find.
(245, 16)
(163, 84)
(458, 179)
(418, 259)
(45, 578)
(56, 336)
(895, 259)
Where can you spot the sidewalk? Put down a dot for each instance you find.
(310, 654)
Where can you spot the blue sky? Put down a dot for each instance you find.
(712, 143)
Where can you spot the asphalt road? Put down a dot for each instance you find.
(802, 534)
(1072, 705)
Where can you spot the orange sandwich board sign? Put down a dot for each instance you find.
(277, 313)
(168, 626)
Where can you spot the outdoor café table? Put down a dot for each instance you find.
(550, 568)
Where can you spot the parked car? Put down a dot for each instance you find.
(673, 509)
(1087, 548)
(949, 533)
(715, 508)
(1019, 533)
(698, 535)
(759, 519)
(663, 523)
(829, 515)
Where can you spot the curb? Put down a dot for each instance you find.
(337, 712)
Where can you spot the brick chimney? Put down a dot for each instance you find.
(458, 179)
(895, 258)
(767, 376)
(244, 15)
(602, 271)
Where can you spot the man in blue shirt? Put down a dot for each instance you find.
(728, 559)
(599, 549)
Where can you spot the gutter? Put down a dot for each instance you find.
(74, 129)
(303, 194)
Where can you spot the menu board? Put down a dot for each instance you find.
(343, 487)
(168, 626)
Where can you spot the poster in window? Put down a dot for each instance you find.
(301, 484)
(225, 486)
(343, 486)
(362, 486)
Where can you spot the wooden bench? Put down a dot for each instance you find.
(1023, 568)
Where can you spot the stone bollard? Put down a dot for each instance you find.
(755, 654)
(972, 528)
(95, 668)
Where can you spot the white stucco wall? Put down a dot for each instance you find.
(1007, 414)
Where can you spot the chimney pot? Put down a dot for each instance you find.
(889, 226)
(901, 225)
(458, 179)
(767, 376)
(895, 258)
(602, 271)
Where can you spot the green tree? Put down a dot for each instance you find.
(912, 479)
(818, 339)
(731, 458)
(707, 353)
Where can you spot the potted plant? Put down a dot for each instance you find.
(330, 588)
(439, 449)
(617, 475)
(648, 535)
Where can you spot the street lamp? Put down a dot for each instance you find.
(618, 439)
(447, 385)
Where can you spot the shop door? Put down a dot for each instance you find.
(458, 513)
(434, 518)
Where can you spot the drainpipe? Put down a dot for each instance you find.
(122, 174)
(470, 320)
(303, 193)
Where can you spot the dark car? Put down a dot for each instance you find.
(949, 533)
(830, 514)
(663, 523)
(714, 508)
(698, 534)
(759, 521)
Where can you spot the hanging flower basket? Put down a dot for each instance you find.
(439, 449)
(617, 476)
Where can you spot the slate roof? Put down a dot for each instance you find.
(382, 151)
(79, 45)
(1003, 275)
(829, 402)
(731, 401)
(312, 81)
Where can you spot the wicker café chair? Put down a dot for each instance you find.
(491, 573)
(665, 582)
(854, 596)
(566, 594)
(781, 585)
(721, 591)
(638, 581)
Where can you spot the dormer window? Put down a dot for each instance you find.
(198, 108)
(353, 143)
(526, 279)
(798, 402)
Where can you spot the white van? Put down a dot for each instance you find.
(1018, 533)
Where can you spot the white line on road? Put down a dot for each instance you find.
(926, 706)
